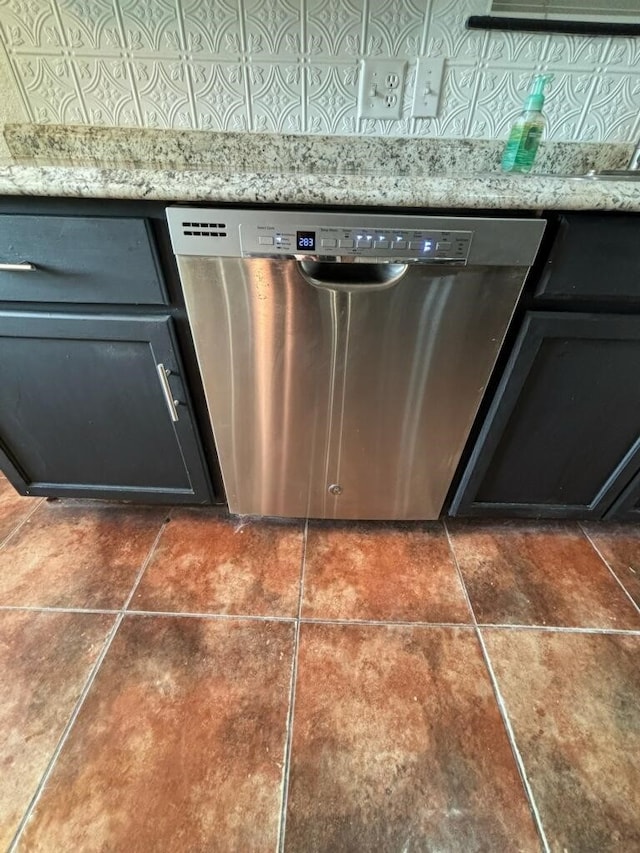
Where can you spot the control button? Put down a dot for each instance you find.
(364, 241)
(382, 244)
(400, 244)
(444, 246)
(265, 241)
(416, 244)
(346, 244)
(328, 243)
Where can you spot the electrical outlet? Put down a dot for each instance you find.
(428, 86)
(381, 88)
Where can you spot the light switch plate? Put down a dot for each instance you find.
(426, 94)
(382, 88)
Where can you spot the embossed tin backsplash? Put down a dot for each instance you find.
(292, 66)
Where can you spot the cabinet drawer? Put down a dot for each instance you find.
(78, 259)
(594, 257)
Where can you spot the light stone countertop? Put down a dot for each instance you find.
(177, 166)
(482, 191)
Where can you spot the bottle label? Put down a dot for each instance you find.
(521, 148)
(532, 139)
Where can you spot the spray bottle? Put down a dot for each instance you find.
(522, 146)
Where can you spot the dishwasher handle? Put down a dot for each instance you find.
(351, 278)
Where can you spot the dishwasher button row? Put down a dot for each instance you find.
(366, 241)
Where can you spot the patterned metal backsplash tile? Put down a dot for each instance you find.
(292, 66)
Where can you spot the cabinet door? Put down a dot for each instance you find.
(564, 424)
(85, 412)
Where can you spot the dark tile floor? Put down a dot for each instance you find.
(177, 680)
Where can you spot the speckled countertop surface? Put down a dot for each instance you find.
(324, 171)
(473, 191)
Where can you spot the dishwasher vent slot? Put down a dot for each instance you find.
(204, 229)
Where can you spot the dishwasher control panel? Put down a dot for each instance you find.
(236, 232)
(332, 241)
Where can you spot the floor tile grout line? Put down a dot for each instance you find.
(558, 629)
(502, 709)
(230, 617)
(383, 623)
(65, 733)
(465, 591)
(570, 629)
(313, 620)
(282, 823)
(303, 569)
(20, 525)
(34, 608)
(145, 563)
(606, 562)
(514, 745)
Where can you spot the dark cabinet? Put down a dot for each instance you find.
(627, 505)
(99, 391)
(594, 258)
(78, 259)
(87, 408)
(561, 438)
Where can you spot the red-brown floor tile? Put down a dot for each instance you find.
(619, 544)
(574, 702)
(538, 574)
(45, 659)
(179, 745)
(381, 572)
(398, 745)
(14, 508)
(77, 554)
(208, 564)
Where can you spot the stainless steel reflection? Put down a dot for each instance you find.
(613, 175)
(23, 267)
(163, 374)
(341, 396)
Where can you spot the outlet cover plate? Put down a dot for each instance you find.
(426, 94)
(382, 88)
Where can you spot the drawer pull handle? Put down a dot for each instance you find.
(25, 267)
(163, 374)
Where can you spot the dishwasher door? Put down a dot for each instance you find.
(343, 390)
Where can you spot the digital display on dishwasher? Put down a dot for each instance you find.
(305, 240)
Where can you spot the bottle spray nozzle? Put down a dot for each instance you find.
(535, 100)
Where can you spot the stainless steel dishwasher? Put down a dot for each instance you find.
(344, 355)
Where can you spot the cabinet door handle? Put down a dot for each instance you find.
(164, 374)
(25, 267)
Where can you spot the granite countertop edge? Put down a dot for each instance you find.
(483, 191)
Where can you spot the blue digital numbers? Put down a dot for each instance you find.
(305, 240)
